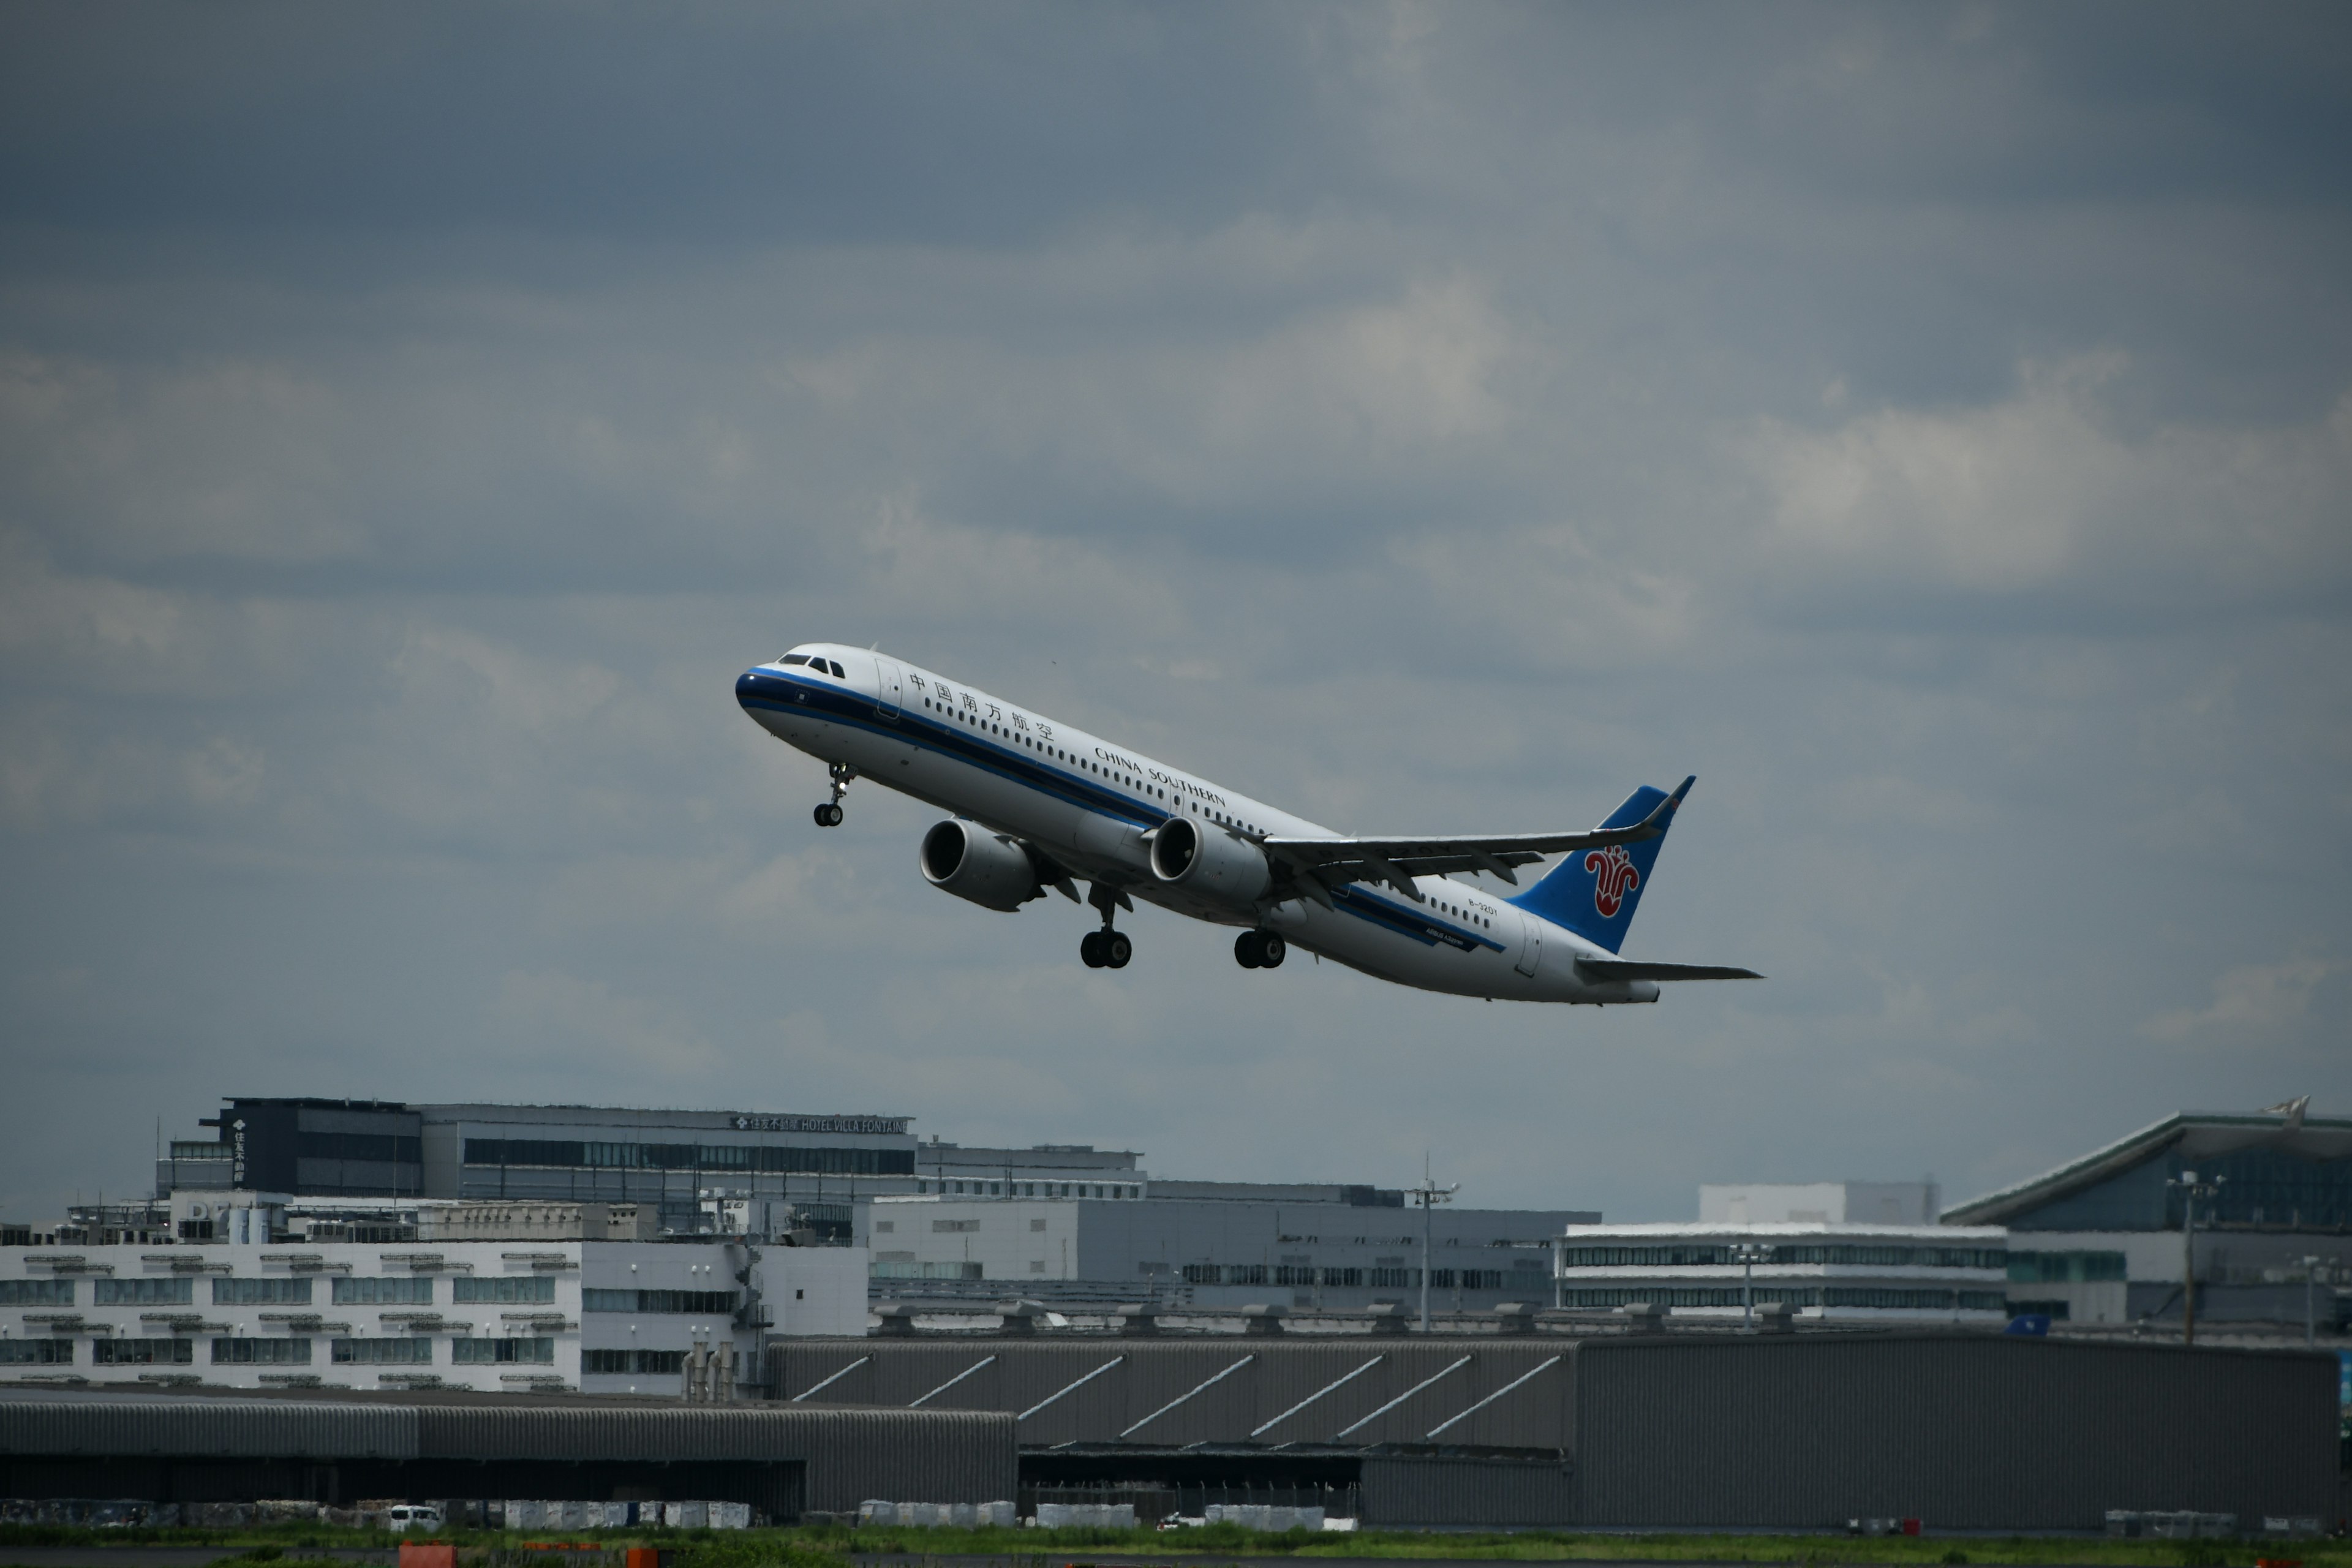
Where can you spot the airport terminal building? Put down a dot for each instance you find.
(2098, 1243)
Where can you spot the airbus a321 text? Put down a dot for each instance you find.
(1039, 805)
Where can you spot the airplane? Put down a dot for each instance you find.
(1038, 804)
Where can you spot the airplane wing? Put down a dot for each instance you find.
(1617, 969)
(1320, 864)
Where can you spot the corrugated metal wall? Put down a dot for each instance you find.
(236, 1428)
(1411, 1489)
(946, 1456)
(1961, 1431)
(1278, 1375)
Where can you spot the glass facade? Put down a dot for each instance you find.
(632, 1363)
(180, 1292)
(2260, 1188)
(1792, 1296)
(574, 1154)
(709, 1302)
(37, 1352)
(2065, 1267)
(480, 1353)
(261, 1352)
(387, 1292)
(142, 1353)
(1876, 1255)
(403, 1351)
(524, 1290)
(36, 1292)
(271, 1292)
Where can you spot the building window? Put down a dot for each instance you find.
(142, 1353)
(261, 1352)
(1037, 1223)
(632, 1363)
(949, 1226)
(36, 1292)
(180, 1292)
(261, 1292)
(2065, 1267)
(1394, 1278)
(1697, 1255)
(886, 1226)
(705, 1302)
(567, 1153)
(386, 1291)
(404, 1350)
(483, 1352)
(513, 1290)
(1203, 1274)
(38, 1353)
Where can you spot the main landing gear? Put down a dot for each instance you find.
(1106, 948)
(829, 814)
(1260, 950)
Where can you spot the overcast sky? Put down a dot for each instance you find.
(1931, 425)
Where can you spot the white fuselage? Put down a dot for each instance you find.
(1086, 803)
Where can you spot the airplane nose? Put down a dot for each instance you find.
(747, 686)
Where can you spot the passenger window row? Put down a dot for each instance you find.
(1060, 755)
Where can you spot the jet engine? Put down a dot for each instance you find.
(990, 870)
(1211, 862)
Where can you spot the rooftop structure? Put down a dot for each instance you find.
(1820, 1203)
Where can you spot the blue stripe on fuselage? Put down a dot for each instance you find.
(1427, 929)
(962, 743)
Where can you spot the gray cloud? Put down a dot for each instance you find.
(1929, 427)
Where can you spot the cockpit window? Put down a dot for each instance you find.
(838, 673)
(793, 659)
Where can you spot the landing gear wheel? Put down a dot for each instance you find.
(1090, 949)
(1271, 950)
(1246, 951)
(1116, 949)
(829, 814)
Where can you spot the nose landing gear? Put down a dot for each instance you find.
(1260, 950)
(829, 814)
(1106, 948)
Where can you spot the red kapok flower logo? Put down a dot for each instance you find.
(1614, 877)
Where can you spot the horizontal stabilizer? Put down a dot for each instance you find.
(1618, 969)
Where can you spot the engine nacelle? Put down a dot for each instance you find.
(1211, 862)
(968, 861)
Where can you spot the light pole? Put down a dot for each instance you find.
(2191, 1189)
(1429, 1195)
(1749, 1254)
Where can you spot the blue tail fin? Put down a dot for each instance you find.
(1593, 892)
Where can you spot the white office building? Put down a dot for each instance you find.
(1819, 1271)
(588, 1316)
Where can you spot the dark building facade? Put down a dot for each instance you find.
(1963, 1431)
